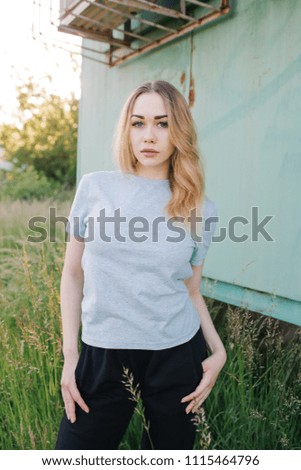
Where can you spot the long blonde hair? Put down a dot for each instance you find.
(186, 175)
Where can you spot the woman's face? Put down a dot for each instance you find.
(149, 129)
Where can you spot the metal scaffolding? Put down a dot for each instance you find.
(130, 28)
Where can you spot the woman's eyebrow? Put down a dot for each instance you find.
(142, 117)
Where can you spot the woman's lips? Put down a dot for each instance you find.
(148, 153)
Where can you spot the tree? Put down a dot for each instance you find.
(45, 134)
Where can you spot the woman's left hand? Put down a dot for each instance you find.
(212, 366)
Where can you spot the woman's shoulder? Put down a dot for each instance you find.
(99, 174)
(209, 208)
(100, 177)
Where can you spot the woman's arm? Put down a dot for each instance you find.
(216, 361)
(71, 292)
(211, 336)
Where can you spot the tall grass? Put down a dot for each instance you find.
(255, 404)
(29, 331)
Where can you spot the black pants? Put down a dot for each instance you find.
(163, 377)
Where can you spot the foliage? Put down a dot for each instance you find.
(27, 185)
(45, 133)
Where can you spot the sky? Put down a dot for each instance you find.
(23, 56)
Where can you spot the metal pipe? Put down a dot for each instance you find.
(83, 47)
(133, 17)
(202, 4)
(157, 8)
(91, 35)
(36, 4)
(105, 37)
(101, 23)
(71, 52)
(69, 10)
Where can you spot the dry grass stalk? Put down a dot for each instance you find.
(136, 397)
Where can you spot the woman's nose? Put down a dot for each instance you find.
(149, 133)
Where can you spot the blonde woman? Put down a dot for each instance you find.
(131, 277)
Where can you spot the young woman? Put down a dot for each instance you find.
(131, 276)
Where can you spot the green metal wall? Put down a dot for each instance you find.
(243, 75)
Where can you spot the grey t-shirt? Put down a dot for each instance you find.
(134, 296)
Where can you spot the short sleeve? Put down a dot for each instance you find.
(76, 224)
(209, 225)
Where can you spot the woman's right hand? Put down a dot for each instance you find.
(70, 392)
